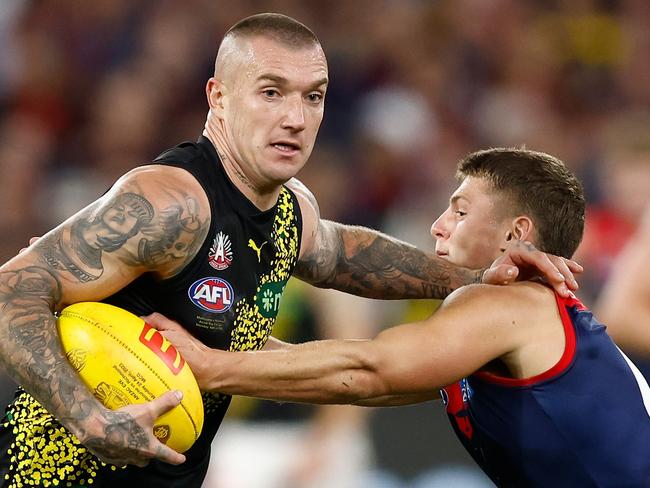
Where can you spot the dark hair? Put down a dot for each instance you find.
(537, 185)
(279, 27)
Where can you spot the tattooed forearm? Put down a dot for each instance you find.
(366, 263)
(31, 353)
(145, 223)
(29, 346)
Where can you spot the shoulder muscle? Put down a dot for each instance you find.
(153, 219)
(310, 216)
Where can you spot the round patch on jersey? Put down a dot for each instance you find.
(212, 294)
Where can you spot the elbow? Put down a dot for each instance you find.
(361, 382)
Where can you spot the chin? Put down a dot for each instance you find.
(284, 171)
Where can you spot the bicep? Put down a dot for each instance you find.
(468, 331)
(146, 222)
(320, 242)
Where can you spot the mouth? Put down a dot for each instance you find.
(288, 148)
(442, 254)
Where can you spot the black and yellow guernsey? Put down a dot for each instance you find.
(227, 296)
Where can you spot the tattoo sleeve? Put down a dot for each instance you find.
(370, 264)
(95, 253)
(30, 348)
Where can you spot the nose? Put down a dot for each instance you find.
(438, 229)
(294, 118)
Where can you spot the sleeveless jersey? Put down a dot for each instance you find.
(583, 423)
(227, 296)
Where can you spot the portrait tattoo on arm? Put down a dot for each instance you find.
(78, 250)
(168, 237)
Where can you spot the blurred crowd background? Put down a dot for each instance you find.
(89, 90)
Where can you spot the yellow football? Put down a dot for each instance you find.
(123, 360)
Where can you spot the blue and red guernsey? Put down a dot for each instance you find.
(583, 423)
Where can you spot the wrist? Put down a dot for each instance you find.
(91, 425)
(209, 372)
(220, 373)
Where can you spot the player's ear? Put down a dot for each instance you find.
(521, 229)
(215, 91)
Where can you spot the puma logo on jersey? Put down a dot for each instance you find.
(258, 250)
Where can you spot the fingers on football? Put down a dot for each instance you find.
(168, 455)
(158, 321)
(159, 406)
(165, 402)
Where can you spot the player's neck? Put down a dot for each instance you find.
(263, 199)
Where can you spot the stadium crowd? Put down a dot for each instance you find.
(89, 90)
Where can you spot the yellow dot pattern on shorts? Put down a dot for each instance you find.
(43, 453)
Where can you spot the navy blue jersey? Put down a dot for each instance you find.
(583, 423)
(227, 296)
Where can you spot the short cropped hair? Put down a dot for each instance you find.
(537, 185)
(281, 28)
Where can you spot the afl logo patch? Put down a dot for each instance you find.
(212, 294)
(220, 255)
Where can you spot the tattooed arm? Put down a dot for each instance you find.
(153, 220)
(368, 263)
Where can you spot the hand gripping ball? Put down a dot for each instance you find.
(123, 360)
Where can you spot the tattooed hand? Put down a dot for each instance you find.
(125, 436)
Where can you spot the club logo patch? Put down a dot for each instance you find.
(212, 294)
(162, 432)
(268, 299)
(220, 255)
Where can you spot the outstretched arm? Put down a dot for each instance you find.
(403, 364)
(368, 263)
(147, 222)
